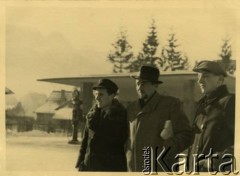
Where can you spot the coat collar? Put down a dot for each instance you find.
(150, 106)
(115, 109)
(205, 102)
(218, 93)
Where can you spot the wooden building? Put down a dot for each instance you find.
(49, 115)
(16, 119)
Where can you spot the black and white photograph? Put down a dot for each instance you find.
(120, 87)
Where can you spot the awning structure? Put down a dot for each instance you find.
(63, 114)
(173, 83)
(118, 78)
(180, 84)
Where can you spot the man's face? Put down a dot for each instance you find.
(102, 98)
(208, 82)
(144, 89)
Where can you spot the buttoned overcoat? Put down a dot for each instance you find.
(103, 144)
(146, 125)
(214, 126)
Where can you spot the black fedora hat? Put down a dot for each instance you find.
(148, 73)
(107, 84)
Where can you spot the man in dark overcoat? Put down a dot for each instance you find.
(214, 120)
(102, 148)
(157, 122)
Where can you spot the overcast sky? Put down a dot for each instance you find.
(47, 42)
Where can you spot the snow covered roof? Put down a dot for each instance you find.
(56, 100)
(63, 114)
(48, 107)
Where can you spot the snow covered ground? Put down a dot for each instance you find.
(40, 151)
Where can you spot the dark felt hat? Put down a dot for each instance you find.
(107, 84)
(211, 67)
(148, 73)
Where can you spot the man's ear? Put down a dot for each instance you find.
(112, 95)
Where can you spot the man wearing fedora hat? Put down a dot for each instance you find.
(157, 122)
(214, 119)
(103, 145)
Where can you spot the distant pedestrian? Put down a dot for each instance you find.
(77, 116)
(105, 134)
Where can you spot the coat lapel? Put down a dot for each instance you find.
(135, 111)
(150, 106)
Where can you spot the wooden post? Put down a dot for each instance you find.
(87, 96)
(188, 99)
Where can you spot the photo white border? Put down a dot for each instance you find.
(215, 5)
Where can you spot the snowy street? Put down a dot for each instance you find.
(40, 153)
